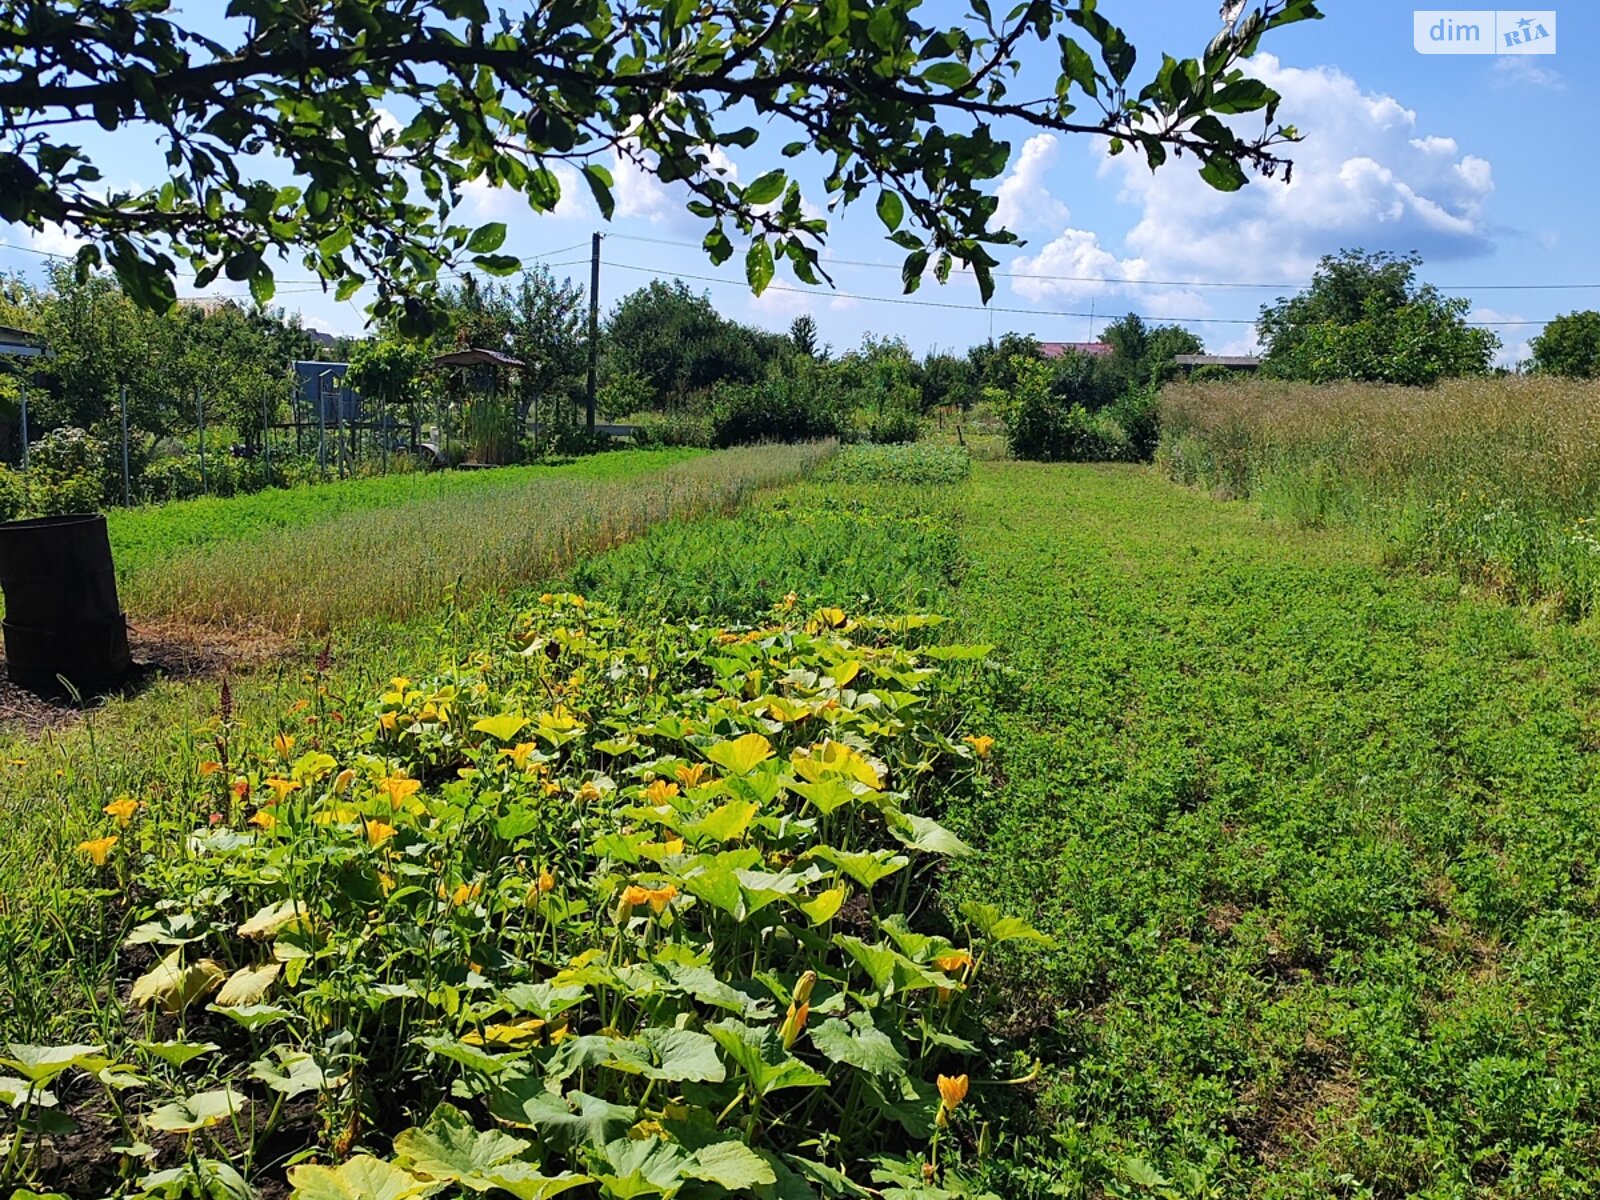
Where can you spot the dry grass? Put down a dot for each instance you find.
(1498, 478)
(393, 563)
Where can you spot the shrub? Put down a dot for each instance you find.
(13, 494)
(673, 429)
(800, 401)
(67, 473)
(1044, 421)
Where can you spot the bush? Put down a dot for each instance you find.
(13, 494)
(800, 401)
(672, 429)
(898, 464)
(1043, 422)
(67, 473)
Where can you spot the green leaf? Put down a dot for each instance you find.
(642, 1167)
(600, 184)
(41, 1064)
(193, 1113)
(262, 286)
(822, 908)
(466, 1054)
(502, 728)
(766, 188)
(730, 1165)
(948, 74)
(673, 1055)
(295, 1073)
(986, 919)
(742, 755)
(858, 1043)
(524, 1181)
(1223, 173)
(758, 265)
(722, 824)
(866, 867)
(925, 834)
(274, 918)
(252, 1016)
(891, 209)
(362, 1178)
(565, 1123)
(486, 239)
(761, 1056)
(177, 1053)
(449, 1147)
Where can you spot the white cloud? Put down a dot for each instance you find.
(1364, 176)
(639, 193)
(1513, 70)
(1515, 340)
(483, 201)
(1024, 194)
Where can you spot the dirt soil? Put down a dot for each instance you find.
(161, 650)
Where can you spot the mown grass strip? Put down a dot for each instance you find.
(1316, 843)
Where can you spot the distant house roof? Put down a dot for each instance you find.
(1093, 349)
(474, 357)
(20, 342)
(1245, 362)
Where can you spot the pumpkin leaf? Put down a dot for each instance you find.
(362, 1178)
(173, 986)
(197, 1112)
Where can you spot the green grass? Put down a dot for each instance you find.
(912, 463)
(1317, 842)
(144, 538)
(388, 563)
(1496, 480)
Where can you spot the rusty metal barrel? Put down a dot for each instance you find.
(62, 615)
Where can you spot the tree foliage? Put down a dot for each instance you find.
(1569, 345)
(1365, 317)
(900, 112)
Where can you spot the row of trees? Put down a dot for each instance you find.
(1365, 316)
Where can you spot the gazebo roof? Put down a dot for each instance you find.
(474, 357)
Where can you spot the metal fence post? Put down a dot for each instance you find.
(127, 500)
(200, 421)
(24, 426)
(322, 424)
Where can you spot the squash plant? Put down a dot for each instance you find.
(601, 910)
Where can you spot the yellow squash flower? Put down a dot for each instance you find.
(981, 744)
(520, 753)
(343, 780)
(98, 849)
(281, 787)
(588, 793)
(209, 767)
(547, 881)
(660, 791)
(399, 789)
(635, 896)
(952, 1091)
(379, 833)
(264, 819)
(283, 743)
(953, 963)
(122, 808)
(691, 774)
(387, 721)
(464, 894)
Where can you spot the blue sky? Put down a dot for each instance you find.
(1482, 163)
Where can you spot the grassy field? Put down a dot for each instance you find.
(392, 562)
(1317, 843)
(1497, 480)
(1313, 843)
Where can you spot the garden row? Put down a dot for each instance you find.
(586, 901)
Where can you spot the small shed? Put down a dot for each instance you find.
(19, 343)
(1233, 362)
(1062, 349)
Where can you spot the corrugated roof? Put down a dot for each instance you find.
(474, 357)
(1059, 349)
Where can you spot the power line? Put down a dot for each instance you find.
(1131, 282)
(976, 308)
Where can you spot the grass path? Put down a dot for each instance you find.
(1318, 842)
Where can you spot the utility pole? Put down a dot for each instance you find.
(594, 328)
